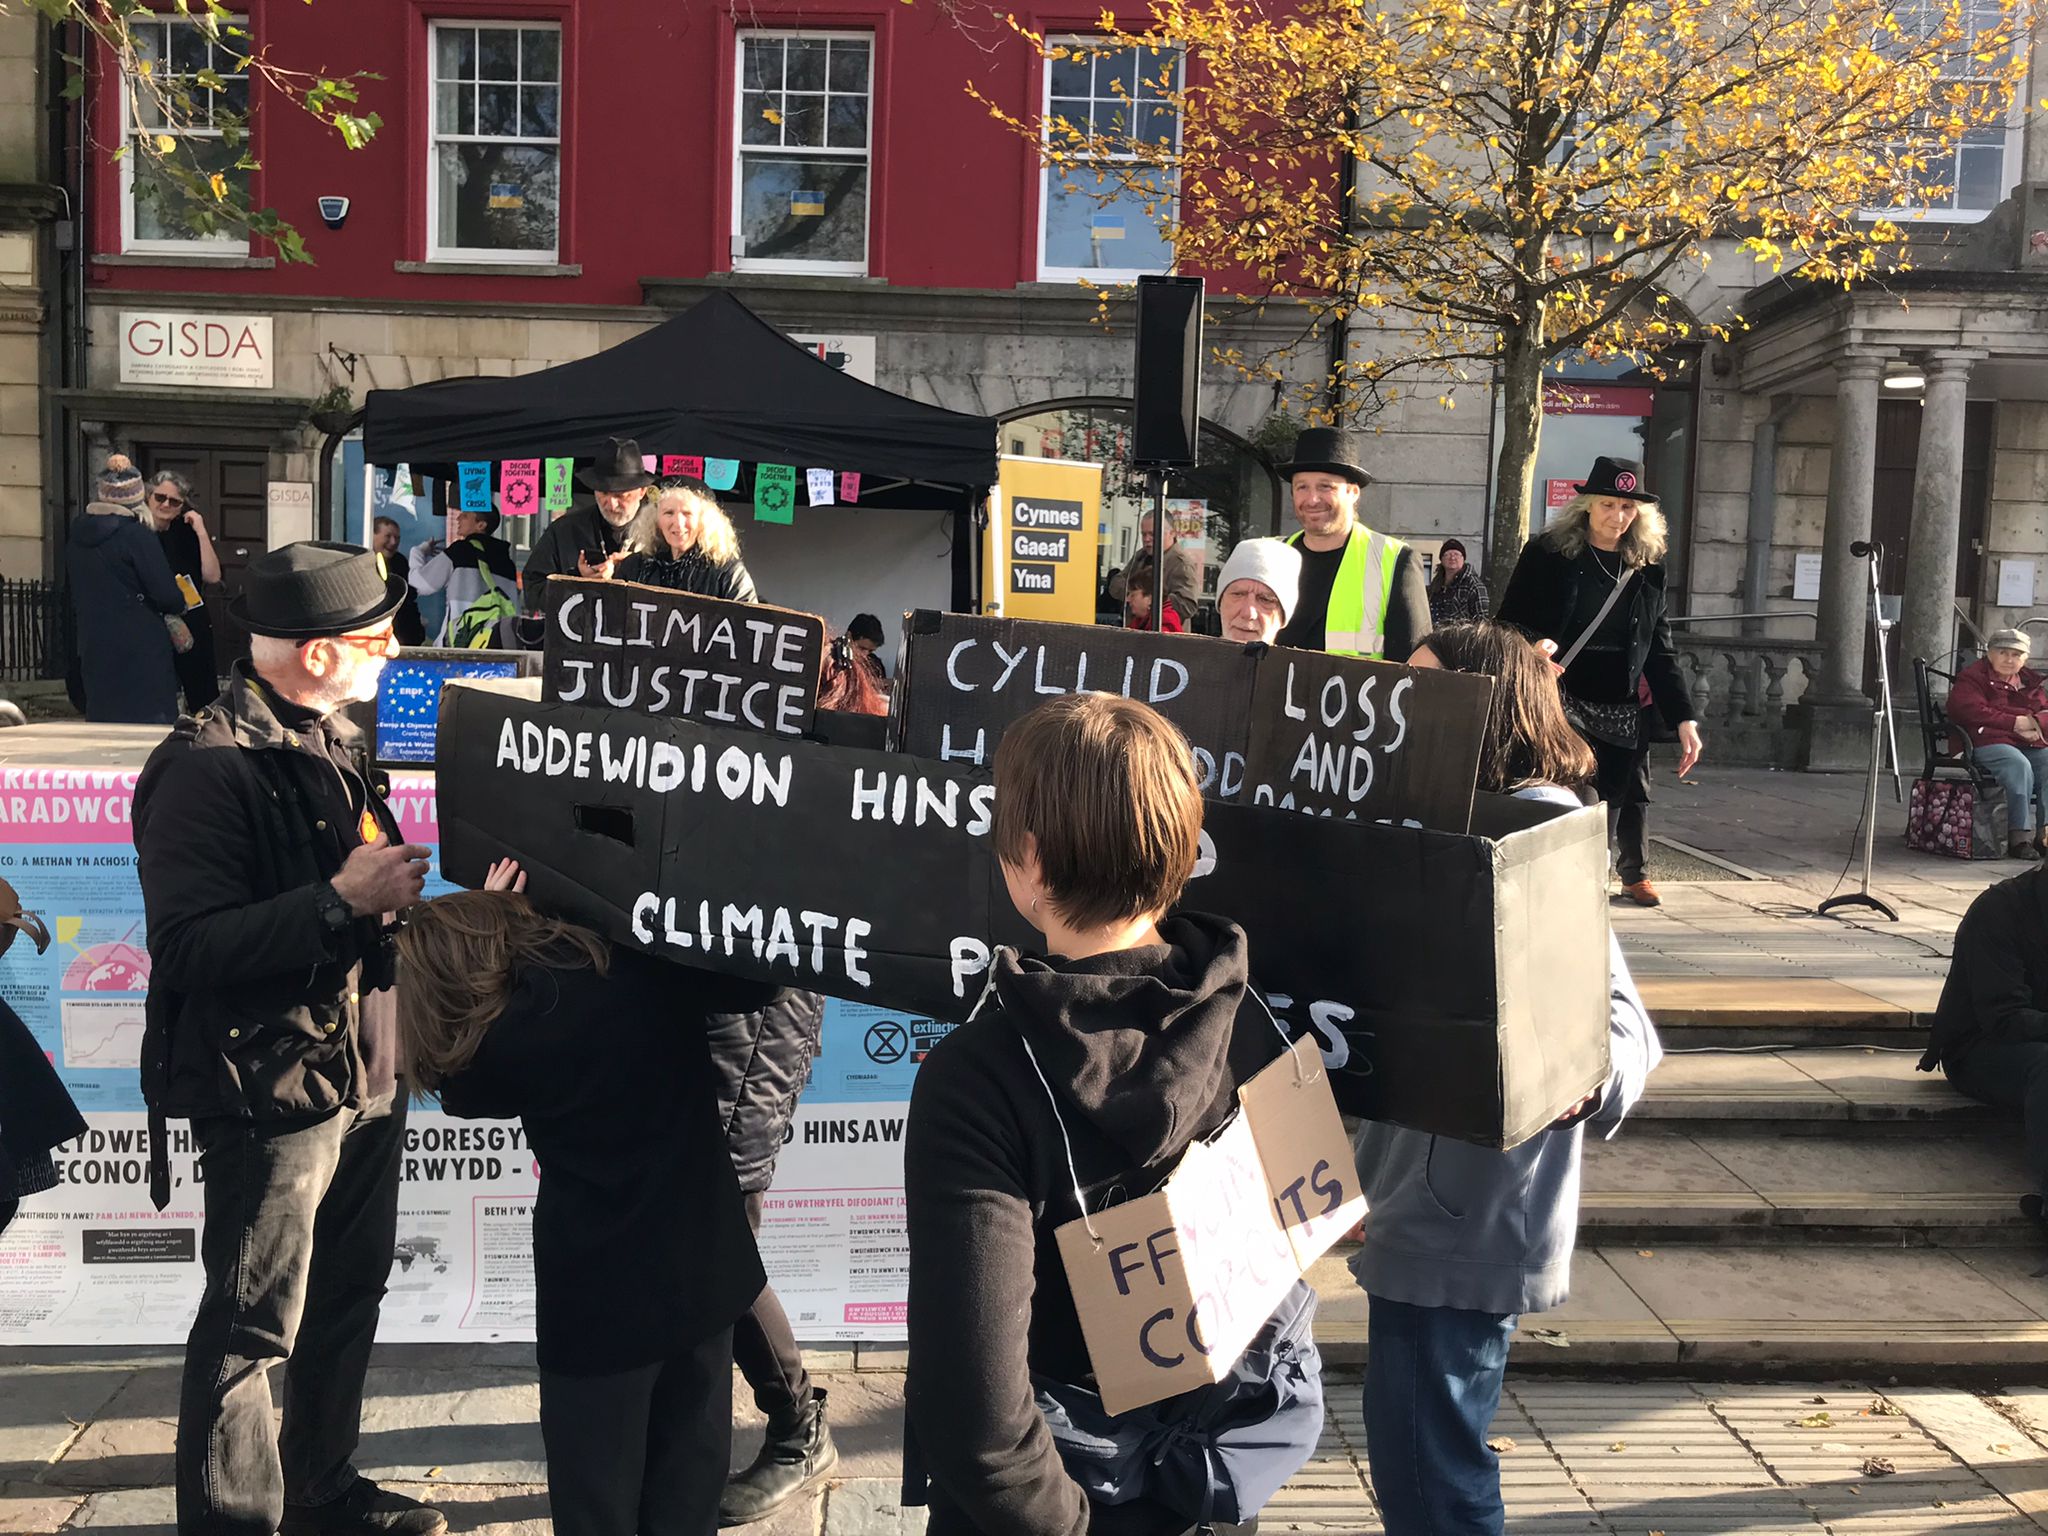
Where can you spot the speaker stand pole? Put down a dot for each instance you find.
(1158, 479)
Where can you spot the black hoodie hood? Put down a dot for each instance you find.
(1140, 1043)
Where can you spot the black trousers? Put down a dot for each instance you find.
(2010, 1075)
(641, 1452)
(764, 1348)
(198, 669)
(300, 1223)
(1622, 779)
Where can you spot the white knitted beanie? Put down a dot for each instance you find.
(1273, 561)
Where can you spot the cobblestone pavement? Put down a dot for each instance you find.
(1577, 1456)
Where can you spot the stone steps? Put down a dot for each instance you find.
(1751, 1011)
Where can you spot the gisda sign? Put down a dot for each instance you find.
(217, 351)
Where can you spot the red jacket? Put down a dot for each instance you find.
(1984, 705)
(1172, 626)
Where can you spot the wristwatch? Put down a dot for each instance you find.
(334, 913)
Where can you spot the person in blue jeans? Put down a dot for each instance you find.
(1998, 702)
(1462, 1240)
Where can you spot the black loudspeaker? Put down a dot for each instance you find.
(1167, 402)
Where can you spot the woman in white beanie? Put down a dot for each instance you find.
(1256, 593)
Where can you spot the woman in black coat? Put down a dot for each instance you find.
(684, 541)
(122, 590)
(642, 1258)
(1609, 544)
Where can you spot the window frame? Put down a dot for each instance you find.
(228, 248)
(488, 255)
(735, 237)
(2011, 148)
(1047, 271)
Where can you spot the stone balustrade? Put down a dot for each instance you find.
(1742, 688)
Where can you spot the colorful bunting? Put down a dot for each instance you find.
(818, 482)
(559, 493)
(721, 474)
(774, 493)
(849, 485)
(519, 487)
(474, 481)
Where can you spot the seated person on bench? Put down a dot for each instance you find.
(1991, 1027)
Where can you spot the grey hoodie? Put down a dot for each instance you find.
(1454, 1225)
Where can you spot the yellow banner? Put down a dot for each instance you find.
(1038, 561)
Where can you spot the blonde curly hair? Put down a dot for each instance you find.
(1648, 537)
(717, 540)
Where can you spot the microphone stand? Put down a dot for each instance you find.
(1883, 729)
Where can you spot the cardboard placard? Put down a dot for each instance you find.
(1333, 735)
(869, 875)
(622, 645)
(1340, 735)
(1171, 1287)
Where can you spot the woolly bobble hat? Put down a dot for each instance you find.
(120, 482)
(1276, 563)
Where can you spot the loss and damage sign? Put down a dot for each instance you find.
(1172, 1286)
(1296, 730)
(623, 645)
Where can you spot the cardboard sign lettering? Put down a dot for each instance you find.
(869, 875)
(1298, 730)
(1170, 1288)
(626, 646)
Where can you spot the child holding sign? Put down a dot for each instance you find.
(1078, 1083)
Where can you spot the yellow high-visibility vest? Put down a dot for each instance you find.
(1356, 621)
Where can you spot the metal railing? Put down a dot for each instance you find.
(35, 630)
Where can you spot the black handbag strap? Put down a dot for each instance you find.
(1578, 645)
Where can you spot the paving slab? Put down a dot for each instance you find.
(42, 1408)
(1805, 1001)
(1656, 1166)
(479, 1425)
(130, 1439)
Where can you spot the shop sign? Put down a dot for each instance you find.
(215, 351)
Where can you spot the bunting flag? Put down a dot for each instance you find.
(849, 485)
(560, 492)
(818, 482)
(774, 493)
(721, 474)
(519, 487)
(672, 464)
(651, 462)
(473, 478)
(688, 466)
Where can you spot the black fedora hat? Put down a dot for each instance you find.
(619, 466)
(1327, 451)
(1618, 477)
(310, 590)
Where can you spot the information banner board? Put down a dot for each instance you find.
(92, 1262)
(1039, 559)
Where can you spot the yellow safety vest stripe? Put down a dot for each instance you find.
(1355, 623)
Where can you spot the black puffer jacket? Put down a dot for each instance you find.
(762, 1059)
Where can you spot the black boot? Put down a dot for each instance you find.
(796, 1454)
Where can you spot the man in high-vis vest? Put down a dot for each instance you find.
(1362, 593)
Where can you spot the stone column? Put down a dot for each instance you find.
(1927, 616)
(1836, 712)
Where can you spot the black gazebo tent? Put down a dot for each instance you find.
(716, 381)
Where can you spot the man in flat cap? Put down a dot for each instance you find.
(269, 863)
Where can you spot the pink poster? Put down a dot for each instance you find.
(849, 485)
(519, 487)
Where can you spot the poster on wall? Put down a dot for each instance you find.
(93, 1262)
(1039, 561)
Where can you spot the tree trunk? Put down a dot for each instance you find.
(1521, 396)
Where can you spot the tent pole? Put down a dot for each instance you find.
(1158, 478)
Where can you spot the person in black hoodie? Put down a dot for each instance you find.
(1083, 1075)
(642, 1256)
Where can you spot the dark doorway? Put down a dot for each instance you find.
(230, 489)
(1891, 512)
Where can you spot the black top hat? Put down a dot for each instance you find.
(619, 466)
(1618, 477)
(309, 590)
(1325, 450)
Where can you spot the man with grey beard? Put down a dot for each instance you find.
(269, 865)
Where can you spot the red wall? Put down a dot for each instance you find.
(647, 154)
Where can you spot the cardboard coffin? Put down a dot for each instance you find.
(1457, 983)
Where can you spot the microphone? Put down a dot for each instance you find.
(1862, 547)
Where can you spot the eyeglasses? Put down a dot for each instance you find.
(385, 644)
(166, 501)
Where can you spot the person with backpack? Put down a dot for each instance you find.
(1078, 1080)
(480, 581)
